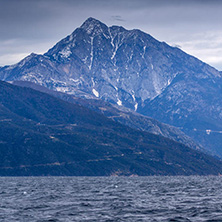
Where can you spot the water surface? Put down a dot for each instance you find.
(110, 199)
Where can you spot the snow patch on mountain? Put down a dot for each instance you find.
(136, 107)
(95, 92)
(91, 53)
(111, 38)
(144, 51)
(119, 102)
(65, 53)
(116, 88)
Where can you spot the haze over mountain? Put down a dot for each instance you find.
(132, 69)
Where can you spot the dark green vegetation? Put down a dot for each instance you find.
(43, 135)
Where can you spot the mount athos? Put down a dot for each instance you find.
(135, 73)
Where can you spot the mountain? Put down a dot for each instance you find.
(123, 66)
(132, 69)
(193, 104)
(120, 114)
(43, 135)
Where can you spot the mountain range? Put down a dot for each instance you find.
(131, 78)
(132, 69)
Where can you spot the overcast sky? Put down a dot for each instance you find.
(28, 26)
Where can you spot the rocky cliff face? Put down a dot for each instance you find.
(132, 69)
(112, 63)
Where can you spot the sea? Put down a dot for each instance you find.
(153, 198)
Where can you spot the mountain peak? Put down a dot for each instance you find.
(93, 26)
(91, 20)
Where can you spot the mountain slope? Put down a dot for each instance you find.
(120, 114)
(132, 69)
(193, 104)
(42, 135)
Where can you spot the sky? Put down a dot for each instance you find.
(28, 26)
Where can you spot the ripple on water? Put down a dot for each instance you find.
(111, 199)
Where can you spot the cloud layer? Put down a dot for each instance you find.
(34, 26)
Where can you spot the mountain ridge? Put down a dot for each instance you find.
(120, 114)
(41, 135)
(131, 69)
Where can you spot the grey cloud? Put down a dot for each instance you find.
(34, 25)
(117, 18)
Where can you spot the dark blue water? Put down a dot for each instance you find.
(111, 199)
